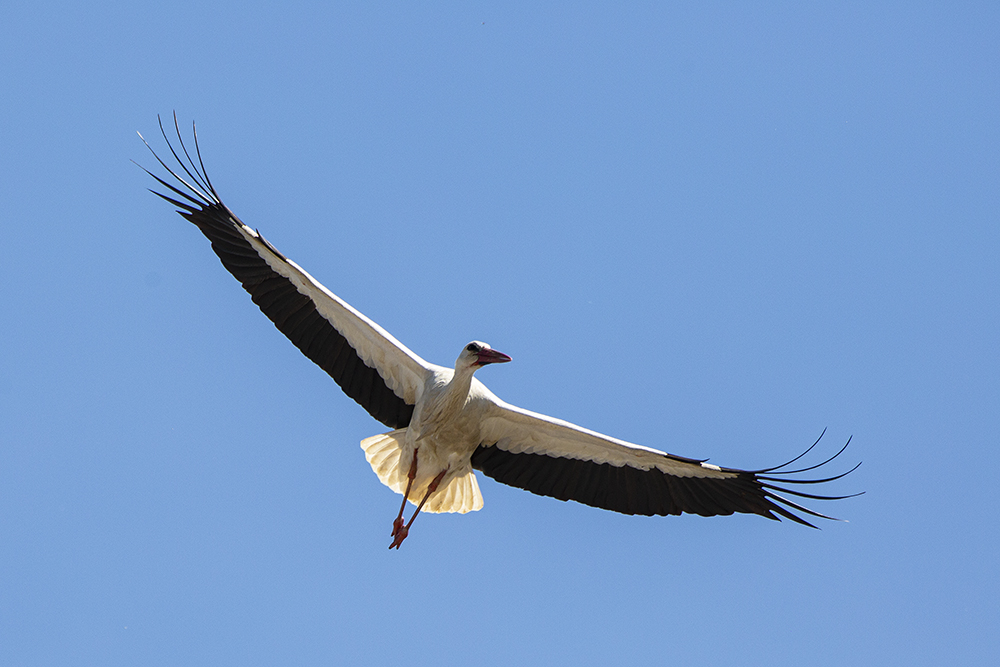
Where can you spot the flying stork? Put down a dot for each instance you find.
(445, 423)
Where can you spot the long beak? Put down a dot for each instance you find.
(491, 357)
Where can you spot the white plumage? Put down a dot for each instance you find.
(446, 423)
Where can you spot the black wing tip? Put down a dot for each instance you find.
(643, 491)
(768, 479)
(198, 188)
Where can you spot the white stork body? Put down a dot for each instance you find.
(444, 432)
(446, 424)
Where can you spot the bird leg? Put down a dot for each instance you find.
(397, 524)
(403, 531)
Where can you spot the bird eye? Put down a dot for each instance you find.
(472, 347)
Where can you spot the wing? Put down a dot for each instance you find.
(554, 458)
(371, 366)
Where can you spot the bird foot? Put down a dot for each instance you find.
(398, 536)
(396, 525)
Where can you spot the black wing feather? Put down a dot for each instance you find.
(293, 313)
(649, 492)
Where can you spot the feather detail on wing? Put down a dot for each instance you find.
(554, 458)
(371, 366)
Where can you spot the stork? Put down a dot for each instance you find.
(445, 423)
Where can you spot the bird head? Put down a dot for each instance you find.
(477, 354)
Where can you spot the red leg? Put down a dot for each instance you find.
(398, 523)
(403, 531)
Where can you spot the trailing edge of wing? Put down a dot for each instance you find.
(561, 460)
(371, 366)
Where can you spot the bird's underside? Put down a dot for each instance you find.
(446, 424)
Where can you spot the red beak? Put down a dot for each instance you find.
(491, 357)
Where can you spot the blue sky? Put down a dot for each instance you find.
(711, 228)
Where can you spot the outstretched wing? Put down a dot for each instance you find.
(371, 366)
(555, 458)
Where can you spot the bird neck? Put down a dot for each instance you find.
(461, 381)
(441, 405)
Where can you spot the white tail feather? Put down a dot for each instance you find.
(382, 453)
(459, 494)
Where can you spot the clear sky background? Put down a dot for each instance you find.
(711, 228)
